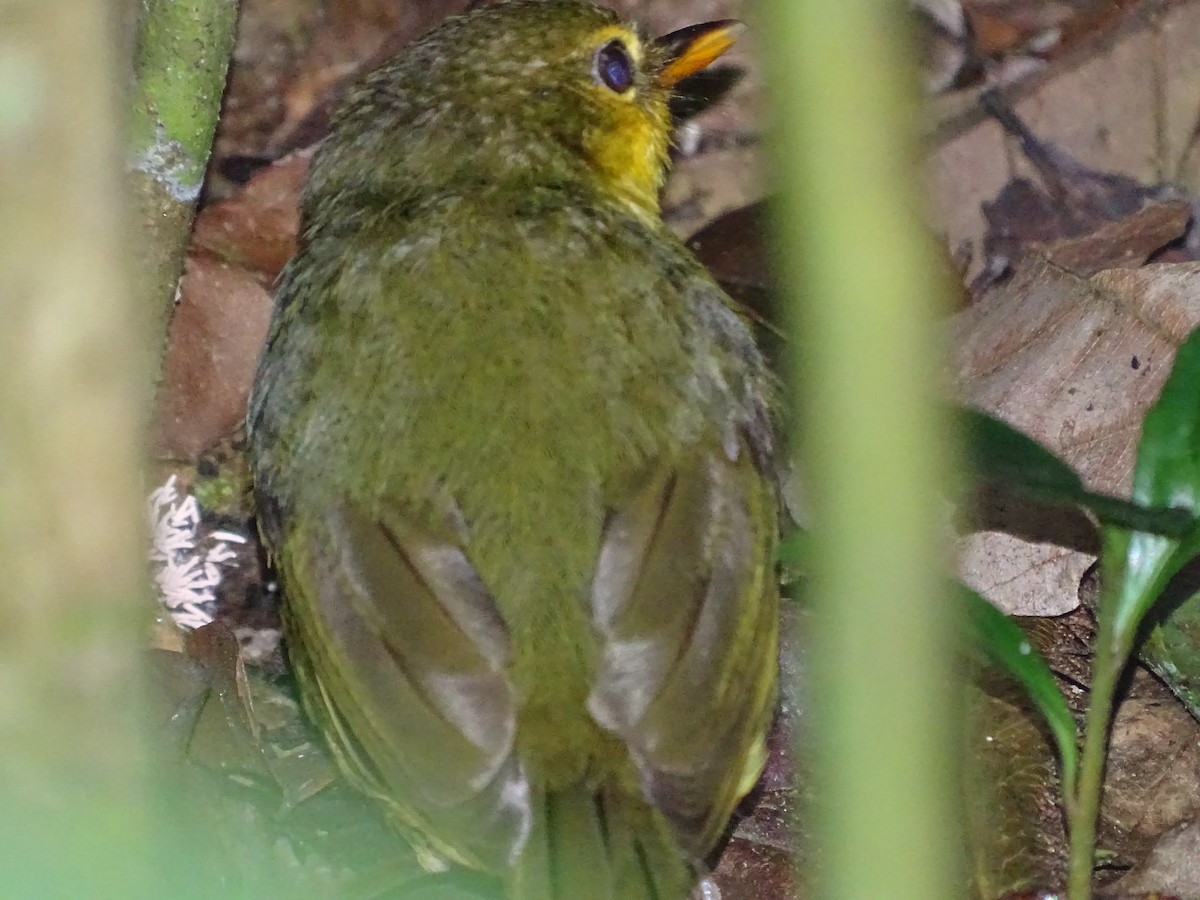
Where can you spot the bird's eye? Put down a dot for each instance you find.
(614, 68)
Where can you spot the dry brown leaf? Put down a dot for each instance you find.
(750, 871)
(770, 843)
(1070, 200)
(1014, 833)
(1006, 26)
(1172, 866)
(272, 37)
(213, 345)
(256, 227)
(996, 35)
(1074, 361)
(735, 250)
(1130, 107)
(1153, 774)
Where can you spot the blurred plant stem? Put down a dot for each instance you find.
(181, 57)
(878, 457)
(1083, 798)
(74, 787)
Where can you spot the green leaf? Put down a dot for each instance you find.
(1168, 461)
(1135, 568)
(1172, 651)
(795, 551)
(1002, 640)
(1137, 565)
(1004, 455)
(795, 555)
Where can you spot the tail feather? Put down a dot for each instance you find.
(599, 846)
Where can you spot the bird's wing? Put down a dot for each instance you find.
(402, 652)
(686, 602)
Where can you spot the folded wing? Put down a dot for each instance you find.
(407, 652)
(686, 603)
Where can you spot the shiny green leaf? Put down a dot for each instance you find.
(1003, 641)
(1138, 565)
(1002, 454)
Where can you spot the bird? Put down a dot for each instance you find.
(514, 461)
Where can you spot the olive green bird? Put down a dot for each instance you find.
(513, 454)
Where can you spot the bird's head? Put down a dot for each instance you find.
(523, 93)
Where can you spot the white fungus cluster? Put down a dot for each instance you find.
(187, 576)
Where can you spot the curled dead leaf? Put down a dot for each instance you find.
(256, 227)
(215, 336)
(1072, 353)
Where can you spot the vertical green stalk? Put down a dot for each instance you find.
(182, 53)
(76, 816)
(877, 456)
(1083, 798)
(1134, 570)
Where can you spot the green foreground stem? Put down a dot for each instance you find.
(876, 450)
(1083, 798)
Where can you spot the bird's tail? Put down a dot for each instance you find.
(602, 845)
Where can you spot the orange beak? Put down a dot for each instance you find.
(693, 48)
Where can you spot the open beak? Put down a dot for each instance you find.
(691, 49)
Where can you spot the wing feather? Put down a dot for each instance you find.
(409, 655)
(685, 602)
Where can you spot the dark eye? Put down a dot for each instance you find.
(614, 68)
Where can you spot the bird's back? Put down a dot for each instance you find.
(512, 450)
